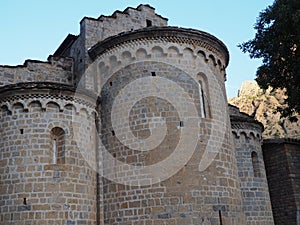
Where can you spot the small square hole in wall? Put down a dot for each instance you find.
(148, 23)
(153, 74)
(21, 131)
(110, 83)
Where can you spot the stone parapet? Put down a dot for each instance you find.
(57, 69)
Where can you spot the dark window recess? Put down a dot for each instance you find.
(110, 83)
(220, 217)
(21, 131)
(255, 164)
(149, 23)
(113, 133)
(181, 123)
(153, 74)
(24, 201)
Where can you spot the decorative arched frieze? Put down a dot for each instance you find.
(253, 135)
(173, 51)
(141, 53)
(45, 103)
(180, 55)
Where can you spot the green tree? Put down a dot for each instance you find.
(277, 42)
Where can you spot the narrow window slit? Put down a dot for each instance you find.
(21, 131)
(24, 201)
(181, 123)
(58, 145)
(201, 98)
(113, 133)
(255, 164)
(220, 217)
(110, 83)
(54, 151)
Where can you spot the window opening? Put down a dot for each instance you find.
(58, 145)
(220, 217)
(255, 164)
(181, 123)
(201, 98)
(54, 151)
(149, 23)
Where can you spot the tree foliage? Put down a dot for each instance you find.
(277, 42)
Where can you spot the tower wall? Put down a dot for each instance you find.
(251, 169)
(189, 195)
(94, 30)
(44, 177)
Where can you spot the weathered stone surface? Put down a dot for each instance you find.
(50, 113)
(247, 137)
(282, 160)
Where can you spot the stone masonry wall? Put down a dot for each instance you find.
(94, 30)
(35, 188)
(254, 187)
(130, 19)
(188, 196)
(251, 169)
(282, 160)
(58, 70)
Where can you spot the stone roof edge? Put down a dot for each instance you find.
(27, 61)
(244, 118)
(25, 64)
(67, 42)
(125, 11)
(45, 85)
(282, 141)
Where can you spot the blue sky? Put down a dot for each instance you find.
(34, 29)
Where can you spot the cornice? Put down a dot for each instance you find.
(58, 87)
(169, 34)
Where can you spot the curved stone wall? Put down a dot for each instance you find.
(255, 192)
(45, 179)
(206, 188)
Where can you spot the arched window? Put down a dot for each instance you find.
(58, 145)
(255, 164)
(204, 104)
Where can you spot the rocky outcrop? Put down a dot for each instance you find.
(262, 105)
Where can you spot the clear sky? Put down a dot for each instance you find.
(33, 29)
